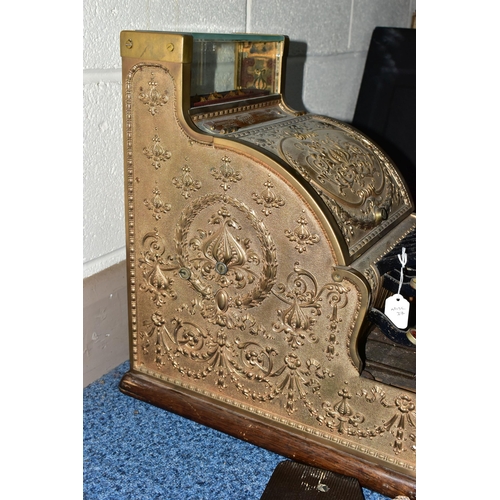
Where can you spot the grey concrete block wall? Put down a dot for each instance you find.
(103, 221)
(104, 19)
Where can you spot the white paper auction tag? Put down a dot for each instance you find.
(397, 309)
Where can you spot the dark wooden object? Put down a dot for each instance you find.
(389, 362)
(295, 481)
(275, 437)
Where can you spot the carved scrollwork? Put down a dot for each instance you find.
(304, 297)
(341, 417)
(354, 178)
(255, 361)
(218, 356)
(154, 266)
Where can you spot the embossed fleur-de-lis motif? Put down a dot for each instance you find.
(186, 183)
(157, 153)
(268, 198)
(302, 235)
(226, 173)
(226, 250)
(152, 97)
(156, 205)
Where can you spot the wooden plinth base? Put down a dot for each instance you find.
(266, 434)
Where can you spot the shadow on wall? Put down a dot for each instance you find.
(294, 75)
(386, 106)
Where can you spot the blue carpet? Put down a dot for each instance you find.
(133, 450)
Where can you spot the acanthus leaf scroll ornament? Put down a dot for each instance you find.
(255, 370)
(157, 205)
(236, 362)
(157, 153)
(305, 300)
(255, 361)
(154, 266)
(213, 355)
(196, 344)
(300, 293)
(152, 97)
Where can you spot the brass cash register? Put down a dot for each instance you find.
(254, 234)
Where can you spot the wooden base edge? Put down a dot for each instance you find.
(279, 440)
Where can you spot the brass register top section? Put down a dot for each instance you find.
(359, 184)
(238, 251)
(156, 46)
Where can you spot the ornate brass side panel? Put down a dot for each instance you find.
(235, 292)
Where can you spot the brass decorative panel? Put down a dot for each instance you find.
(239, 290)
(357, 181)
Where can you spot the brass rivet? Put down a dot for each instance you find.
(221, 268)
(184, 273)
(170, 47)
(129, 44)
(337, 278)
(380, 215)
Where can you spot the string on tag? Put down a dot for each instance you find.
(402, 259)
